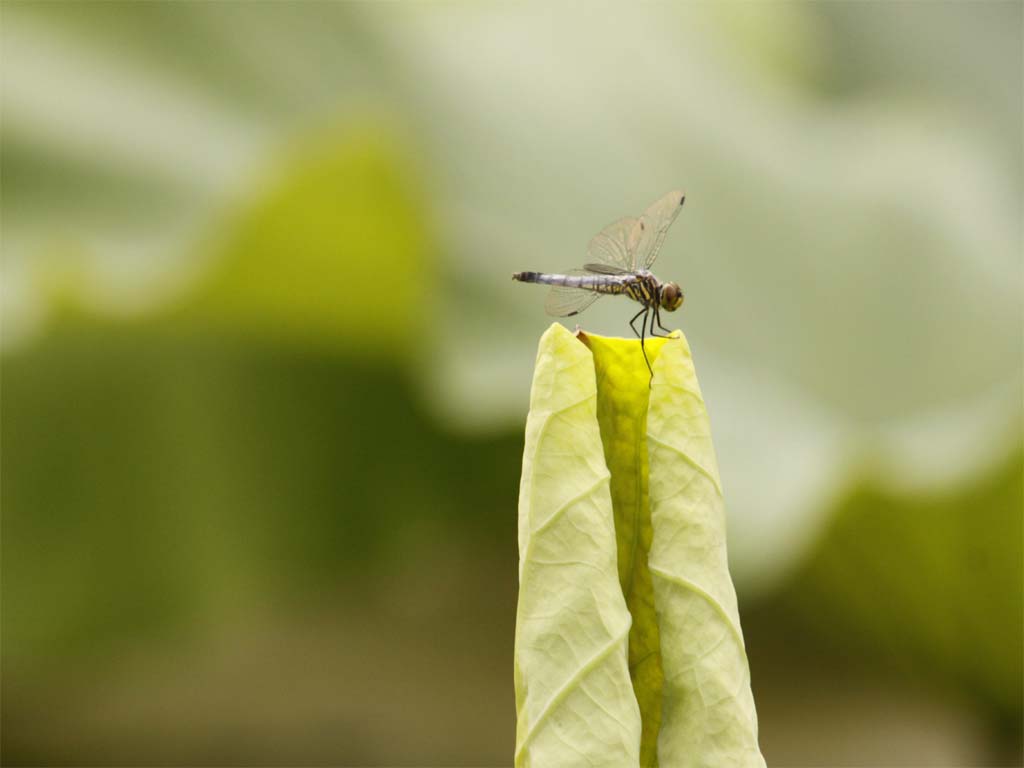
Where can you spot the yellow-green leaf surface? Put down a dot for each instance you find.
(708, 715)
(628, 645)
(623, 391)
(574, 699)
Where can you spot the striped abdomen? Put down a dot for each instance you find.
(598, 283)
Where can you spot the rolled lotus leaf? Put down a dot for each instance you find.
(628, 648)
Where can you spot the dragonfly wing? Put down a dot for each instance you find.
(605, 269)
(612, 245)
(565, 300)
(649, 232)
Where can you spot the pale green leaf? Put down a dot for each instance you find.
(708, 716)
(623, 392)
(628, 643)
(574, 699)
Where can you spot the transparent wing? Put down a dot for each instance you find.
(612, 245)
(605, 269)
(649, 233)
(564, 301)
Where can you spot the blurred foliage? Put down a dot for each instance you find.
(332, 253)
(160, 480)
(216, 418)
(846, 164)
(933, 585)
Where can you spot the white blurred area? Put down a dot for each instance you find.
(850, 248)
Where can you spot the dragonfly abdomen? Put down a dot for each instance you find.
(596, 283)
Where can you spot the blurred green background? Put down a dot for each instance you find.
(265, 375)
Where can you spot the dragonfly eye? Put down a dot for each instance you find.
(671, 297)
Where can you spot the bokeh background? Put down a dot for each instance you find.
(265, 374)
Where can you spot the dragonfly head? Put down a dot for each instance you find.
(671, 297)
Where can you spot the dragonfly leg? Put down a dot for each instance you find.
(643, 329)
(631, 322)
(643, 348)
(657, 319)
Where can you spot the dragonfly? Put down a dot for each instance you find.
(622, 254)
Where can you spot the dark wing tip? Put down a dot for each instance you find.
(682, 198)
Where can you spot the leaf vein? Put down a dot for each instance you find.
(564, 506)
(689, 460)
(566, 687)
(710, 599)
